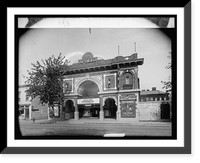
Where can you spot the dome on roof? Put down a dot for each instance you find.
(87, 55)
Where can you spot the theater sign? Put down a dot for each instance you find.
(88, 101)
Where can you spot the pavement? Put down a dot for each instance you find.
(97, 121)
(94, 127)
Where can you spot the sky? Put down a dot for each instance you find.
(151, 44)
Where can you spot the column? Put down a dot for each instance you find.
(101, 113)
(76, 113)
(30, 111)
(24, 112)
(136, 78)
(48, 113)
(118, 108)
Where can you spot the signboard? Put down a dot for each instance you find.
(128, 106)
(56, 111)
(90, 60)
(128, 97)
(88, 101)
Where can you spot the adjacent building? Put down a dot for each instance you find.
(30, 108)
(154, 105)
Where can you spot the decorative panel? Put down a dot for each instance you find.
(110, 81)
(68, 86)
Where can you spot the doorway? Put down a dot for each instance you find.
(89, 111)
(165, 111)
(110, 108)
(69, 109)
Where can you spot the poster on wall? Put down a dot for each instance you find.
(56, 111)
(128, 106)
(128, 109)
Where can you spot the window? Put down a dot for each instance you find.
(27, 98)
(108, 83)
(127, 79)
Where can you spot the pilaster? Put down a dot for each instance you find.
(101, 113)
(76, 113)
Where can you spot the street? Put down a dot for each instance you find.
(28, 128)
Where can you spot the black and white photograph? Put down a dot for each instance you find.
(89, 77)
(89, 80)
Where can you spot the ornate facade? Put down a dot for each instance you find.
(98, 88)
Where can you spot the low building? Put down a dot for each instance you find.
(154, 105)
(153, 95)
(24, 101)
(30, 108)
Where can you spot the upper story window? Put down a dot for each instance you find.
(27, 97)
(109, 83)
(127, 80)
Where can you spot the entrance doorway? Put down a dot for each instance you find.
(165, 111)
(88, 93)
(69, 109)
(110, 108)
(89, 111)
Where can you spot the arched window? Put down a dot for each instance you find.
(127, 80)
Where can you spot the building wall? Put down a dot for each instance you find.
(38, 110)
(111, 84)
(149, 111)
(24, 102)
(154, 111)
(23, 97)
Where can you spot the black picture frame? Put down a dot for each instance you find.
(188, 113)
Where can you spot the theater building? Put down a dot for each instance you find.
(101, 89)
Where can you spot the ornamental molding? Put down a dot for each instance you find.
(113, 97)
(96, 79)
(69, 99)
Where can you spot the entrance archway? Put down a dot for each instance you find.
(88, 89)
(88, 100)
(110, 108)
(69, 109)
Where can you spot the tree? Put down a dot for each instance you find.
(46, 81)
(168, 84)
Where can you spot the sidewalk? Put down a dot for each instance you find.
(113, 121)
(97, 121)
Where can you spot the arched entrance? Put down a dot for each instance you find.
(110, 108)
(69, 109)
(88, 100)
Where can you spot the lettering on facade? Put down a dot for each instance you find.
(88, 101)
(88, 60)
